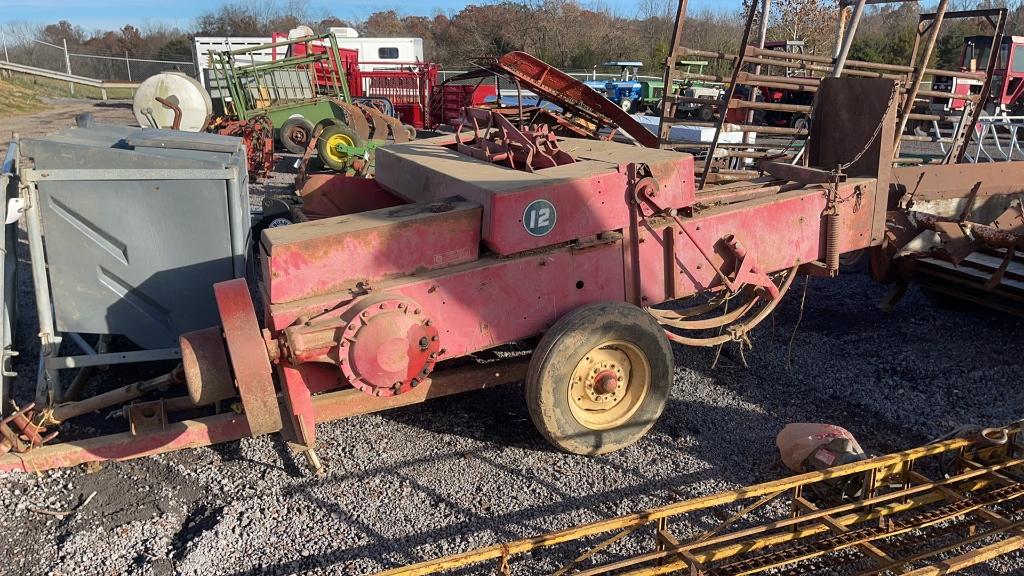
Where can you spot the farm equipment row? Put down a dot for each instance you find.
(304, 91)
(309, 86)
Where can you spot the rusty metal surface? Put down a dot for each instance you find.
(298, 400)
(990, 236)
(957, 181)
(347, 403)
(571, 94)
(125, 446)
(205, 364)
(384, 345)
(146, 417)
(329, 194)
(355, 118)
(248, 354)
(780, 231)
(426, 170)
(258, 135)
(230, 426)
(334, 254)
(854, 119)
(492, 300)
(495, 139)
(801, 174)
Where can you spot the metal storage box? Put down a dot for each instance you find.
(137, 225)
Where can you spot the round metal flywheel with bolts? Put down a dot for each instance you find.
(296, 132)
(599, 378)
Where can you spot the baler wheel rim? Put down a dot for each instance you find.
(600, 410)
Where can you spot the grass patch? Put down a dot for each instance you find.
(50, 88)
(16, 99)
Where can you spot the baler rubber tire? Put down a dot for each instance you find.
(292, 123)
(564, 345)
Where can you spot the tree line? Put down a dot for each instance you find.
(566, 33)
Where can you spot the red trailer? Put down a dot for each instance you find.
(405, 86)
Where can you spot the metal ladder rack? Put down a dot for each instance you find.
(908, 76)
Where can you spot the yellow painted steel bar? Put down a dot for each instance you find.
(972, 558)
(754, 544)
(649, 516)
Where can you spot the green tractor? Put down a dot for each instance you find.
(654, 90)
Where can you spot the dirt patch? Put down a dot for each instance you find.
(55, 113)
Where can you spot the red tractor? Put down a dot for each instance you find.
(1007, 78)
(783, 95)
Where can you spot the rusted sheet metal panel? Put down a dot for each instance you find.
(248, 355)
(779, 232)
(853, 121)
(953, 181)
(569, 92)
(329, 194)
(125, 446)
(494, 301)
(333, 254)
(352, 402)
(586, 197)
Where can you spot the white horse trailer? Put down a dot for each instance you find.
(374, 53)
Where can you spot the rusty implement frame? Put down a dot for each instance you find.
(572, 95)
(745, 66)
(230, 426)
(936, 509)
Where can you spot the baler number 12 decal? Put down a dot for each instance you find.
(539, 218)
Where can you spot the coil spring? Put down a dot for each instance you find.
(832, 242)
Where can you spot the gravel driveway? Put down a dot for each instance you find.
(470, 470)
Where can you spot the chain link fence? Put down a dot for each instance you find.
(20, 47)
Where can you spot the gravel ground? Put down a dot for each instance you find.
(467, 471)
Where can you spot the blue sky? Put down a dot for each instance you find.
(108, 14)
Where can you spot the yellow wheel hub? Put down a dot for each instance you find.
(608, 385)
(332, 146)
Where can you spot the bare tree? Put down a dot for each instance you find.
(812, 21)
